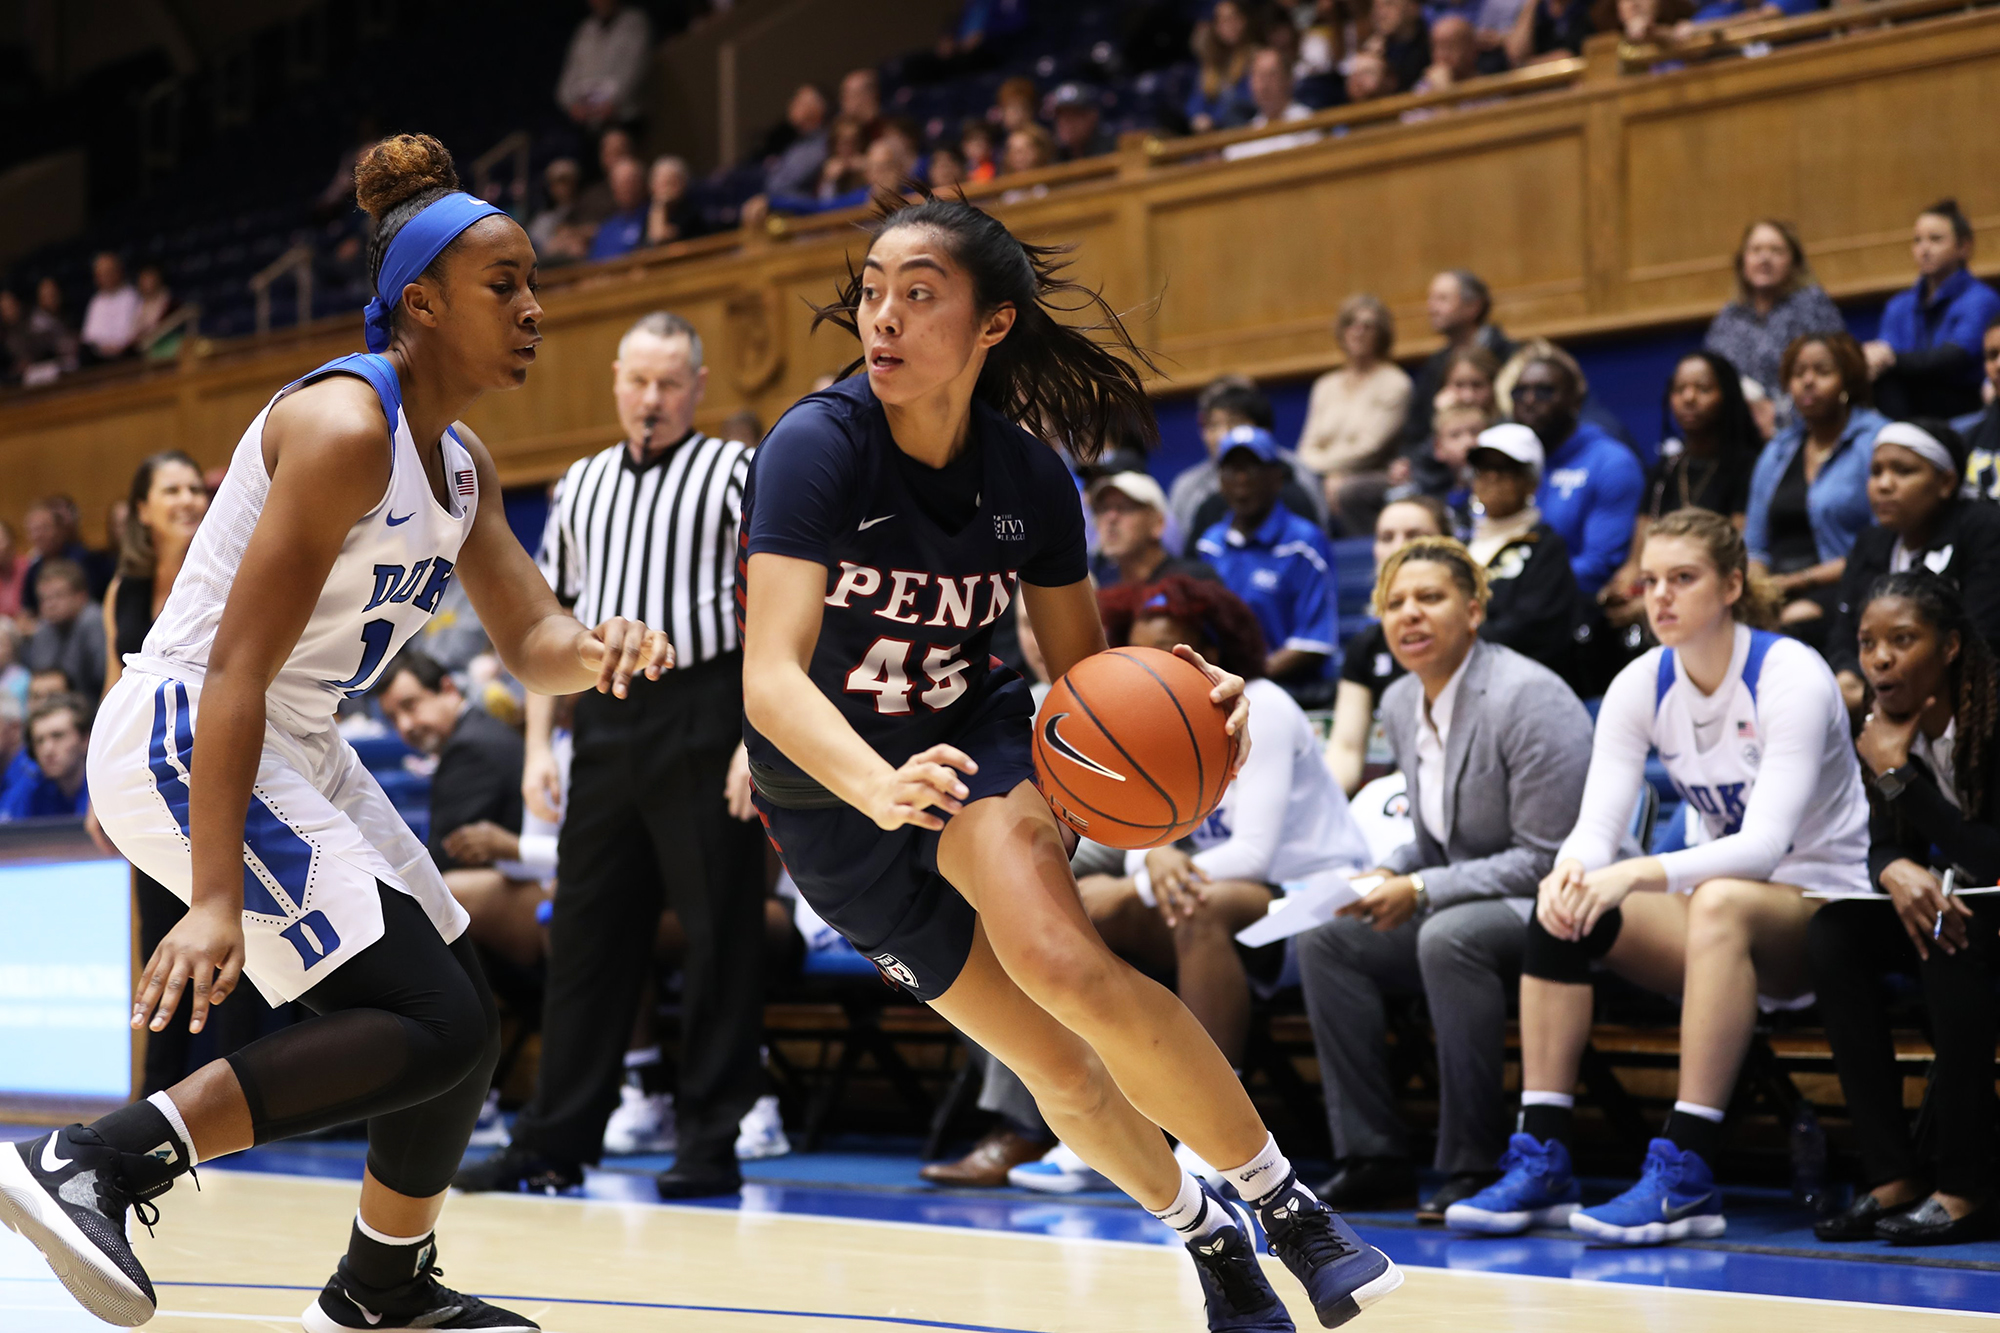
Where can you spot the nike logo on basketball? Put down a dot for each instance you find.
(1055, 741)
(395, 522)
(52, 1163)
(366, 1313)
(1673, 1214)
(869, 523)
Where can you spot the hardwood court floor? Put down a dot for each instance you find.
(249, 1251)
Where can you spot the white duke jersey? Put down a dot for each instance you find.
(392, 569)
(1766, 761)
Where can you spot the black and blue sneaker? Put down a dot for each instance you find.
(67, 1193)
(1675, 1198)
(1233, 1287)
(1342, 1274)
(422, 1302)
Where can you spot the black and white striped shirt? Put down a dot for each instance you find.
(655, 543)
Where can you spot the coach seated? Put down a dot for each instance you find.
(475, 802)
(1934, 816)
(1495, 748)
(1283, 820)
(1914, 480)
(52, 784)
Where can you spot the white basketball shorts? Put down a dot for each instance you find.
(320, 832)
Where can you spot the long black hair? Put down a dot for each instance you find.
(1975, 694)
(1736, 434)
(1055, 377)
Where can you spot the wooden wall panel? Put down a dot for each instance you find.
(1610, 203)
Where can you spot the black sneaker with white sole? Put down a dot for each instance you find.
(67, 1193)
(422, 1302)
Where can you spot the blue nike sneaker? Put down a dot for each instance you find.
(1233, 1287)
(1536, 1189)
(1342, 1274)
(1675, 1198)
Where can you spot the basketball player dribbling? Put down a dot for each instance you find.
(351, 502)
(888, 523)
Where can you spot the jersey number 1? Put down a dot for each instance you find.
(884, 671)
(375, 636)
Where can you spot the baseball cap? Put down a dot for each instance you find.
(1135, 486)
(1254, 438)
(1515, 441)
(1072, 95)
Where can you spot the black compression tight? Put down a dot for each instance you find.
(406, 1038)
(1568, 961)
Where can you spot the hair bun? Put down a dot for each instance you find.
(398, 167)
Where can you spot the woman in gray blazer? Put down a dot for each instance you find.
(1495, 749)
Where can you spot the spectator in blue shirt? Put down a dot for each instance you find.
(1723, 11)
(1281, 565)
(1591, 484)
(1926, 363)
(1809, 490)
(58, 739)
(625, 230)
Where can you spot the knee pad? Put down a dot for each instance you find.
(1568, 961)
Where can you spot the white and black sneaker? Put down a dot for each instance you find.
(422, 1302)
(67, 1193)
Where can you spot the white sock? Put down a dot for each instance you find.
(1708, 1113)
(1261, 1176)
(639, 1059)
(165, 1106)
(1566, 1099)
(382, 1238)
(1191, 1214)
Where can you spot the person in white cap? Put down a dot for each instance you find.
(1130, 511)
(1535, 603)
(1922, 521)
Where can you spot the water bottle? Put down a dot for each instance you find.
(1808, 1160)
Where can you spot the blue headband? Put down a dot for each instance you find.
(420, 240)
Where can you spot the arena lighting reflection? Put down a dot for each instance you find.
(65, 971)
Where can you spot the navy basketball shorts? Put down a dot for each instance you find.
(882, 890)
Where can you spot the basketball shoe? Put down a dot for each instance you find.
(761, 1132)
(1342, 1273)
(1675, 1198)
(67, 1193)
(422, 1302)
(518, 1170)
(1535, 1189)
(1233, 1287)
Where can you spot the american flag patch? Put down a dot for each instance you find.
(465, 483)
(1746, 731)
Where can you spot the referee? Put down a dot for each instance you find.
(647, 528)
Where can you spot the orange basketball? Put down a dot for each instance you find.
(1129, 750)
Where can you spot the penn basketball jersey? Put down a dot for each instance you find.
(390, 574)
(1713, 748)
(910, 604)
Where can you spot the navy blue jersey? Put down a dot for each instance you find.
(910, 606)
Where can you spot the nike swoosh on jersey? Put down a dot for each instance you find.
(1673, 1214)
(1062, 747)
(869, 523)
(50, 1162)
(395, 522)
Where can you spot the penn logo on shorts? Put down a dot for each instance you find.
(894, 969)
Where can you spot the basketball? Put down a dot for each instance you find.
(1129, 750)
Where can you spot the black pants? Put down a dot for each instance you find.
(1850, 945)
(647, 828)
(406, 1038)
